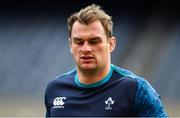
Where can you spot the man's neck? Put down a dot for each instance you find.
(90, 77)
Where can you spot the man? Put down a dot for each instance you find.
(96, 87)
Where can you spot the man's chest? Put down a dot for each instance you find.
(89, 103)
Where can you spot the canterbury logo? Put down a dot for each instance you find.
(58, 102)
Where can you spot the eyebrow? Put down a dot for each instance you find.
(93, 38)
(77, 39)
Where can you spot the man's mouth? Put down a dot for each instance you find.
(87, 59)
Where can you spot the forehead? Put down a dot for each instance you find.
(95, 28)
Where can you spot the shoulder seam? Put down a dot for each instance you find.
(61, 75)
(67, 73)
(124, 72)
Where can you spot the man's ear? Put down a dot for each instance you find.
(112, 44)
(70, 44)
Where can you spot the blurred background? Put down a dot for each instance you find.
(34, 49)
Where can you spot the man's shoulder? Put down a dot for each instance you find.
(65, 75)
(142, 83)
(62, 78)
(125, 72)
(129, 76)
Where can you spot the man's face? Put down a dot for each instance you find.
(90, 47)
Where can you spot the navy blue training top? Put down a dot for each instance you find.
(120, 93)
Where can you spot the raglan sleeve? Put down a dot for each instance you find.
(147, 102)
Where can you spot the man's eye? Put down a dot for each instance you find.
(78, 42)
(94, 41)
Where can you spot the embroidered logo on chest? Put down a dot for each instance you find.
(109, 102)
(59, 102)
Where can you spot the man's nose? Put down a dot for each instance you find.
(86, 47)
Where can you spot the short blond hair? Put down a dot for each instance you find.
(90, 14)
